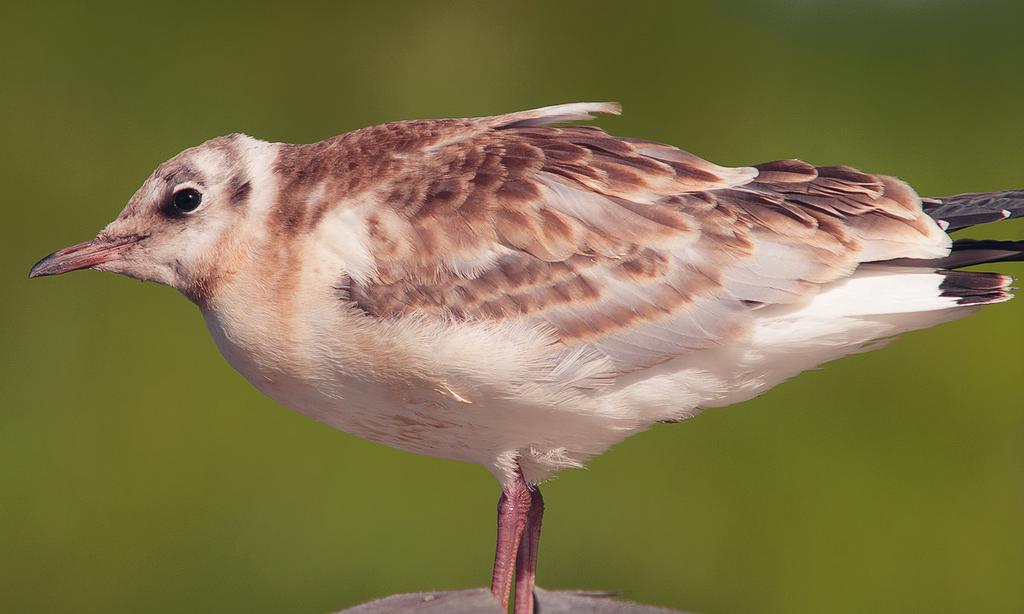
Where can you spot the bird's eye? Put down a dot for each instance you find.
(186, 200)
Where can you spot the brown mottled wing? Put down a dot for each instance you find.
(639, 249)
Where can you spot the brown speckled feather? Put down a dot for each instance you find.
(640, 249)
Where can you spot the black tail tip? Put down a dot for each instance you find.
(976, 288)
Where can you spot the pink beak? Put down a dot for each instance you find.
(83, 256)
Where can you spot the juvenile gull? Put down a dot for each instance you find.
(506, 292)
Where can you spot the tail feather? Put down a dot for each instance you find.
(967, 252)
(964, 210)
(975, 288)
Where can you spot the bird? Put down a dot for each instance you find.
(524, 291)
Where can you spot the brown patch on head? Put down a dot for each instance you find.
(239, 190)
(181, 172)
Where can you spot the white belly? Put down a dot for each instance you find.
(501, 394)
(476, 394)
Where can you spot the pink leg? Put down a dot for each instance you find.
(526, 561)
(513, 510)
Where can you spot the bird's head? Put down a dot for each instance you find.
(180, 227)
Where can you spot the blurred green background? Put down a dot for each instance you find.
(139, 473)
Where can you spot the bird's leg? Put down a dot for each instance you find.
(526, 560)
(513, 511)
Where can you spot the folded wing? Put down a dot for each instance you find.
(635, 248)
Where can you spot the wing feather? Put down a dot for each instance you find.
(635, 249)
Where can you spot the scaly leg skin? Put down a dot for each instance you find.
(513, 511)
(526, 561)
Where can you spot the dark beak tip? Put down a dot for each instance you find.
(39, 269)
(84, 255)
